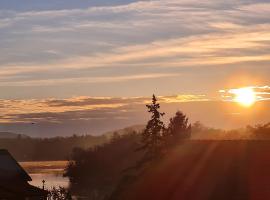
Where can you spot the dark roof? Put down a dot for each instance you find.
(10, 168)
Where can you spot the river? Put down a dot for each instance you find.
(50, 171)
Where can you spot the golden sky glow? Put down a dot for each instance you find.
(99, 114)
(244, 96)
(59, 59)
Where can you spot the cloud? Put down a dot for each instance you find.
(156, 39)
(65, 81)
(256, 8)
(52, 110)
(126, 48)
(213, 49)
(95, 115)
(92, 115)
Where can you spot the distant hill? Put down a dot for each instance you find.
(25, 148)
(124, 131)
(10, 135)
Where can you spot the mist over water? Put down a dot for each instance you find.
(50, 171)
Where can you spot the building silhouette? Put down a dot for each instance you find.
(14, 181)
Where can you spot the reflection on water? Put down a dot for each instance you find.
(51, 180)
(50, 171)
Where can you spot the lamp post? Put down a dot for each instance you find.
(43, 184)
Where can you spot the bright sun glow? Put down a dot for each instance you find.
(244, 96)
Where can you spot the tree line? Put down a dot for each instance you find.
(104, 171)
(100, 172)
(48, 149)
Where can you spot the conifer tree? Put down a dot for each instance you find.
(152, 136)
(179, 126)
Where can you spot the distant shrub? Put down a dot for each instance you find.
(260, 131)
(59, 193)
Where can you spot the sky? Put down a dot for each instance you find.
(89, 66)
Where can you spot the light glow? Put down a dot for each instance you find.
(244, 96)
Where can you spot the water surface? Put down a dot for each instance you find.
(50, 171)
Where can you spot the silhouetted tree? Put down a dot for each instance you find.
(179, 127)
(198, 127)
(59, 194)
(96, 172)
(260, 131)
(152, 136)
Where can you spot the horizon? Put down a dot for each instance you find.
(119, 113)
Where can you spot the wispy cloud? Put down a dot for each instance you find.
(150, 34)
(94, 115)
(17, 110)
(65, 81)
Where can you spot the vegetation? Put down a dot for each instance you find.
(48, 149)
(59, 193)
(178, 128)
(95, 172)
(154, 133)
(104, 170)
(261, 131)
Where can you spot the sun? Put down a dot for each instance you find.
(244, 96)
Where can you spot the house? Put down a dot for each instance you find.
(14, 181)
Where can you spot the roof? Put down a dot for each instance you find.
(10, 168)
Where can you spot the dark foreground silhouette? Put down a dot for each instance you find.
(14, 181)
(207, 170)
(168, 165)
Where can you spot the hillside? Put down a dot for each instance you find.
(10, 135)
(25, 148)
(207, 170)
